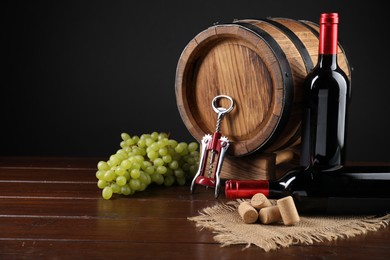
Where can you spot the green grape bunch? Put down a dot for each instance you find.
(146, 159)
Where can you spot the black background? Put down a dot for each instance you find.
(75, 74)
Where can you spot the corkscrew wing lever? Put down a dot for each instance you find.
(219, 145)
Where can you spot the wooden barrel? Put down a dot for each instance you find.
(261, 64)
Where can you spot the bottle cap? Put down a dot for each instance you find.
(329, 18)
(245, 188)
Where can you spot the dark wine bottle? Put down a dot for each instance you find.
(326, 91)
(341, 190)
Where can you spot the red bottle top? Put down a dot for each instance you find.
(328, 33)
(245, 188)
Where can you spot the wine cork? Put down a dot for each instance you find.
(270, 215)
(288, 211)
(247, 212)
(259, 201)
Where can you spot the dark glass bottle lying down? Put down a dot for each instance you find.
(342, 190)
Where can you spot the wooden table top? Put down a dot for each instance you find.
(51, 208)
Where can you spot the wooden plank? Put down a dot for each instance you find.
(141, 250)
(70, 190)
(123, 208)
(50, 162)
(47, 175)
(153, 230)
(364, 247)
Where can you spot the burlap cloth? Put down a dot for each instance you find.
(230, 229)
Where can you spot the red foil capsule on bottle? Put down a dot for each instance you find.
(328, 32)
(245, 188)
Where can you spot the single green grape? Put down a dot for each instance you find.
(121, 155)
(103, 166)
(167, 158)
(139, 159)
(179, 148)
(155, 147)
(120, 171)
(161, 169)
(100, 174)
(114, 159)
(145, 164)
(125, 136)
(149, 141)
(145, 136)
(152, 155)
(126, 164)
(136, 165)
(162, 142)
(107, 193)
(174, 165)
(150, 169)
(123, 144)
(115, 188)
(125, 190)
(109, 175)
(121, 180)
(101, 184)
(144, 178)
(162, 135)
(135, 138)
(169, 180)
(157, 178)
(135, 184)
(135, 173)
(154, 135)
(172, 143)
(141, 143)
(158, 162)
(193, 146)
(130, 142)
(163, 151)
(179, 173)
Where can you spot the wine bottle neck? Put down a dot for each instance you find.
(328, 37)
(327, 61)
(327, 48)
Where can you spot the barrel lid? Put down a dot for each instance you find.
(233, 60)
